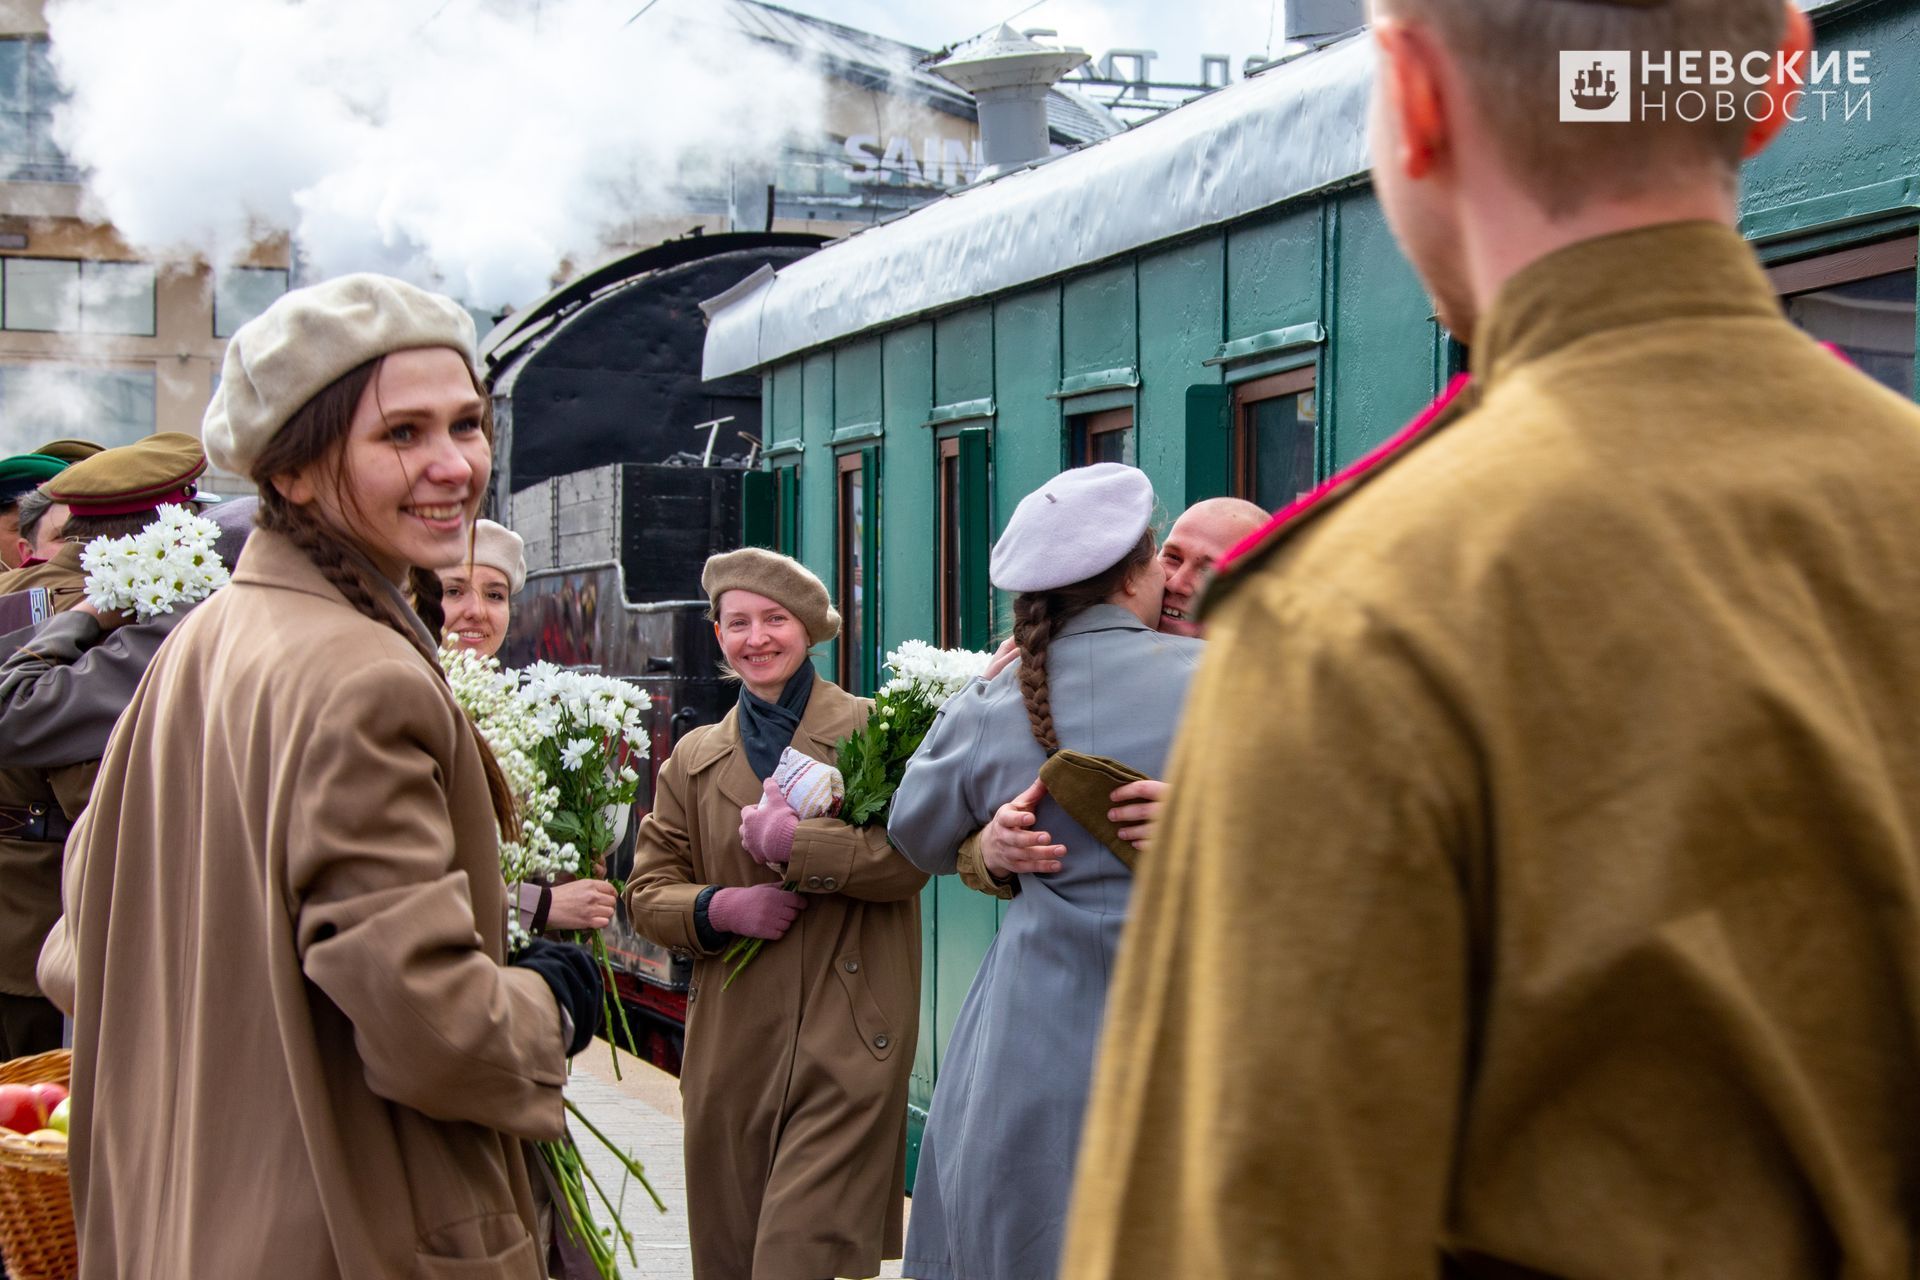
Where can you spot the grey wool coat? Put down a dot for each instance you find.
(996, 1164)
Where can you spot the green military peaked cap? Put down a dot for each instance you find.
(133, 478)
(24, 472)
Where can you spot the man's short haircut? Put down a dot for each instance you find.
(34, 505)
(87, 528)
(1510, 51)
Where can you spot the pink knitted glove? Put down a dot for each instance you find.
(766, 829)
(759, 911)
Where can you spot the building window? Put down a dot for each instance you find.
(117, 297)
(44, 401)
(1274, 433)
(54, 295)
(1101, 437)
(856, 550)
(241, 293)
(1861, 300)
(29, 92)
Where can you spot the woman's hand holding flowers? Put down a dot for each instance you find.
(581, 904)
(766, 829)
(757, 911)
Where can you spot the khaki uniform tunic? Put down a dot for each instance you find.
(1540, 895)
(795, 1077)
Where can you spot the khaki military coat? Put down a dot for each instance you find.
(1540, 892)
(61, 575)
(795, 1077)
(30, 869)
(296, 1051)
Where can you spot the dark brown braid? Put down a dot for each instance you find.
(1038, 617)
(425, 594)
(315, 437)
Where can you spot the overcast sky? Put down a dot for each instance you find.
(1181, 30)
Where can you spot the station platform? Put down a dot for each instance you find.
(641, 1112)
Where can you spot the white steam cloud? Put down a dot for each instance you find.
(472, 145)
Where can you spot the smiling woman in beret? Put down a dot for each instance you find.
(285, 919)
(795, 1076)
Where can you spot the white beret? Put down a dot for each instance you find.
(499, 547)
(1076, 526)
(310, 337)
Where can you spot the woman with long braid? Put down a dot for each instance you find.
(297, 1051)
(996, 1163)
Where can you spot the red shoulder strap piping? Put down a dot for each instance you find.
(1343, 479)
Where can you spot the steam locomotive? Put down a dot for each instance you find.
(623, 471)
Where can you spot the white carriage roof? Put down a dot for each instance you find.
(1294, 129)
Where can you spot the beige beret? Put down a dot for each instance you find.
(777, 577)
(499, 547)
(309, 338)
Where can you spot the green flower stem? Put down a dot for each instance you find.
(632, 1165)
(563, 1158)
(613, 1009)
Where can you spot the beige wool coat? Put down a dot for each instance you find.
(297, 1053)
(795, 1078)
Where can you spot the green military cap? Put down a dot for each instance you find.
(70, 450)
(137, 477)
(24, 472)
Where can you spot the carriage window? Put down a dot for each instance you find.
(949, 621)
(857, 475)
(1274, 431)
(786, 510)
(1862, 301)
(1101, 437)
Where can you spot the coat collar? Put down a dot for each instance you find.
(1678, 270)
(830, 716)
(1100, 617)
(272, 560)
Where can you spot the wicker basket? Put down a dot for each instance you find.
(36, 1207)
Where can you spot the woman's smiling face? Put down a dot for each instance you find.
(762, 641)
(477, 608)
(413, 468)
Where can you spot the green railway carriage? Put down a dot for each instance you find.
(1215, 297)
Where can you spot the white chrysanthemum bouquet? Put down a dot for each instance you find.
(169, 563)
(568, 744)
(874, 760)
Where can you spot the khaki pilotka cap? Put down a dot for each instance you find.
(133, 478)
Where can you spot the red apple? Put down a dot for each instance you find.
(45, 1098)
(17, 1110)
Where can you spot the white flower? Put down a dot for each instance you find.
(575, 752)
(169, 563)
